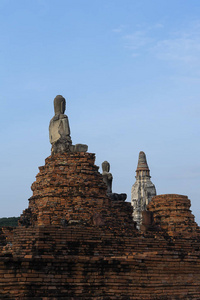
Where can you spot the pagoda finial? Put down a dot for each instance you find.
(142, 167)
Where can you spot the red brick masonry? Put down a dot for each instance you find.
(73, 242)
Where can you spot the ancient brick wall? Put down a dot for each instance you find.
(69, 188)
(73, 242)
(172, 213)
(77, 262)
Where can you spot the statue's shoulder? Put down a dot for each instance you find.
(58, 117)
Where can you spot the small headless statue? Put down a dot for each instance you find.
(59, 131)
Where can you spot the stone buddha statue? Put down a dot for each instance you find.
(107, 176)
(59, 130)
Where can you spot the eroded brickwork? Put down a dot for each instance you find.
(172, 213)
(78, 262)
(73, 242)
(70, 189)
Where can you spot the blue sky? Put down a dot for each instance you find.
(130, 72)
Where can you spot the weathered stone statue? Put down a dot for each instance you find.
(143, 189)
(59, 130)
(107, 177)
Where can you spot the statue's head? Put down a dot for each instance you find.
(59, 105)
(105, 166)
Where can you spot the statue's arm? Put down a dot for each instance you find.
(65, 124)
(68, 126)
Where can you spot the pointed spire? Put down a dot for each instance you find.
(142, 167)
(142, 190)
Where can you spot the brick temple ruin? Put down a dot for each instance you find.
(77, 241)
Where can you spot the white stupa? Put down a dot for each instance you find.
(143, 189)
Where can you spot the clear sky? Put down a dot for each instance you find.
(130, 72)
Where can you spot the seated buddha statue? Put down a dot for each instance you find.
(59, 130)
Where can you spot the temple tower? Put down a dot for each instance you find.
(143, 189)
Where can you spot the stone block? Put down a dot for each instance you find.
(81, 148)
